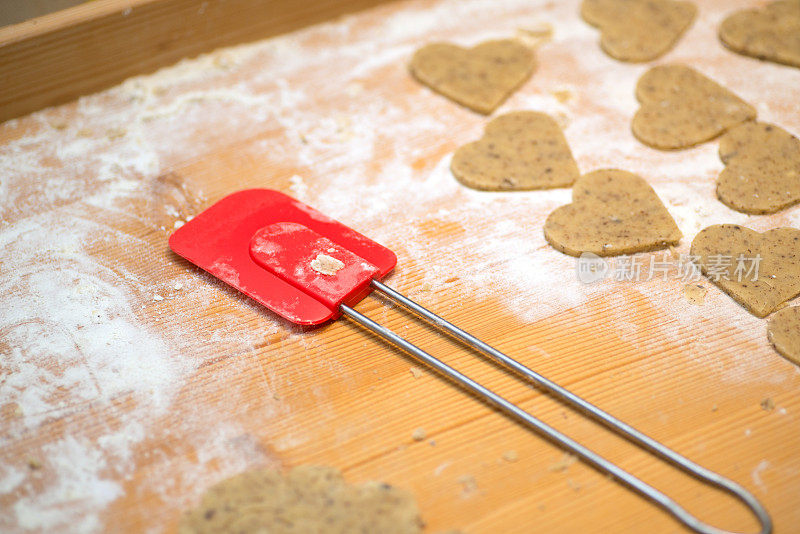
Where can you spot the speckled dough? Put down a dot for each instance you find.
(480, 78)
(771, 32)
(613, 212)
(784, 333)
(638, 30)
(778, 271)
(762, 168)
(518, 151)
(681, 108)
(307, 499)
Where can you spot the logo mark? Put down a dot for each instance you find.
(591, 268)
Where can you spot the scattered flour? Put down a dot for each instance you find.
(81, 335)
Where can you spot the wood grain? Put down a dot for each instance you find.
(58, 57)
(258, 392)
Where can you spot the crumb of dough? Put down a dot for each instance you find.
(306, 499)
(612, 212)
(116, 133)
(416, 372)
(563, 464)
(536, 34)
(519, 151)
(510, 456)
(178, 286)
(767, 404)
(419, 434)
(480, 78)
(681, 108)
(34, 464)
(695, 293)
(157, 297)
(760, 271)
(327, 265)
(562, 95)
(574, 485)
(762, 168)
(632, 30)
(469, 486)
(769, 32)
(426, 286)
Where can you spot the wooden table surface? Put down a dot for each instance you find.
(130, 381)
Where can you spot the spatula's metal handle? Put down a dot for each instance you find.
(610, 421)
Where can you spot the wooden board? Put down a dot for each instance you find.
(58, 57)
(130, 382)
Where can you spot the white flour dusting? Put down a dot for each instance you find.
(96, 346)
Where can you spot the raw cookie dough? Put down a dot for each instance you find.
(638, 30)
(681, 108)
(717, 250)
(307, 499)
(762, 168)
(771, 32)
(613, 212)
(480, 78)
(518, 151)
(695, 293)
(783, 331)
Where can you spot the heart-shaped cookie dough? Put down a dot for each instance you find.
(771, 32)
(783, 331)
(613, 212)
(681, 108)
(762, 168)
(518, 151)
(759, 271)
(638, 30)
(480, 78)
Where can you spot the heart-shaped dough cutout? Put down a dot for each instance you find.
(681, 108)
(480, 78)
(519, 151)
(771, 32)
(633, 30)
(613, 212)
(762, 168)
(759, 271)
(784, 333)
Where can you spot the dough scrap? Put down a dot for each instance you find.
(327, 265)
(762, 168)
(638, 30)
(783, 331)
(613, 212)
(695, 293)
(480, 78)
(680, 108)
(519, 151)
(307, 499)
(717, 250)
(771, 32)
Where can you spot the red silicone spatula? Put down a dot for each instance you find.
(309, 269)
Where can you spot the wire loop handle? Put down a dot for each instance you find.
(625, 430)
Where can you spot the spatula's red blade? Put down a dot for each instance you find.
(219, 241)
